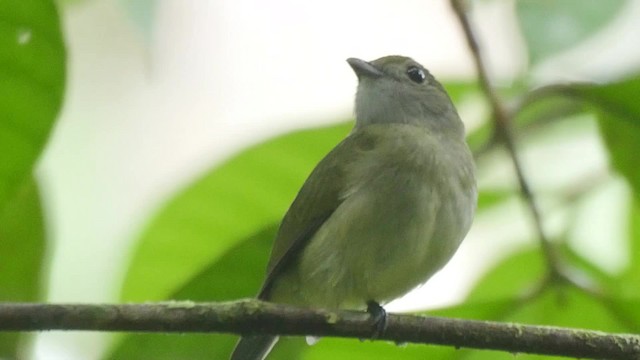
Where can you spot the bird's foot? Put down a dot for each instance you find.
(379, 316)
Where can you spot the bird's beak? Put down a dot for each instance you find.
(364, 68)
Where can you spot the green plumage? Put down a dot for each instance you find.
(386, 208)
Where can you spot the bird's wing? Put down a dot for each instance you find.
(322, 193)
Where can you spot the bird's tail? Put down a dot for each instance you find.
(254, 347)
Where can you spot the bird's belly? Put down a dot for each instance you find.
(379, 244)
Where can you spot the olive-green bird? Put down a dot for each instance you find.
(384, 210)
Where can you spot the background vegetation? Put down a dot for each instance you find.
(210, 241)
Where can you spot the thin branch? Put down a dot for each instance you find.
(253, 316)
(503, 131)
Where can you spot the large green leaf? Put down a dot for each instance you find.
(32, 71)
(352, 349)
(622, 139)
(236, 274)
(513, 278)
(618, 98)
(619, 120)
(22, 240)
(223, 207)
(618, 117)
(551, 26)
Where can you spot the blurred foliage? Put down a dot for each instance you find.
(551, 26)
(211, 240)
(32, 73)
(33, 68)
(231, 276)
(22, 245)
(627, 282)
(619, 124)
(228, 203)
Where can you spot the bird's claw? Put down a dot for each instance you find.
(379, 316)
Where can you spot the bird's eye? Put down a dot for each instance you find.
(416, 74)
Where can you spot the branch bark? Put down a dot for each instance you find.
(253, 316)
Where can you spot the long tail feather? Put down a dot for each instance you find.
(254, 347)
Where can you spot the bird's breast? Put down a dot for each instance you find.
(406, 210)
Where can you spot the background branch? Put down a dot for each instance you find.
(503, 132)
(253, 316)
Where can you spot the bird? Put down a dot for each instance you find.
(384, 210)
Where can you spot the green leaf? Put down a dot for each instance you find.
(479, 138)
(236, 274)
(619, 121)
(223, 207)
(586, 271)
(566, 306)
(547, 110)
(173, 346)
(459, 91)
(32, 72)
(194, 347)
(622, 140)
(512, 278)
(489, 198)
(627, 312)
(627, 282)
(618, 98)
(551, 26)
(352, 349)
(22, 244)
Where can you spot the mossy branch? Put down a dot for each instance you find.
(253, 316)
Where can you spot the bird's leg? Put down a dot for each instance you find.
(379, 315)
